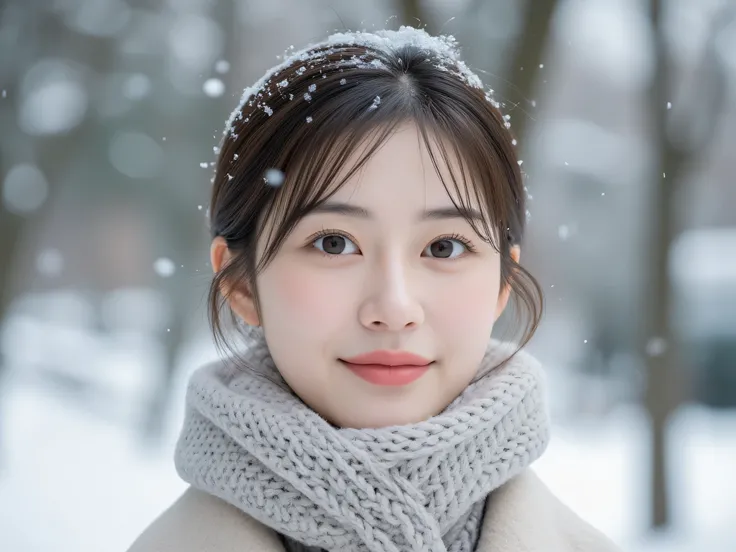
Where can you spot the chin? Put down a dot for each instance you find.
(386, 418)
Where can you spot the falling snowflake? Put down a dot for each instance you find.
(669, 105)
(214, 88)
(312, 87)
(309, 119)
(164, 267)
(50, 262)
(656, 346)
(343, 81)
(307, 97)
(222, 66)
(274, 177)
(203, 165)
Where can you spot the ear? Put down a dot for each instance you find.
(505, 293)
(239, 297)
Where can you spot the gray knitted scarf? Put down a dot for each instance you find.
(420, 487)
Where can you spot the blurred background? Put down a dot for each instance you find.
(626, 119)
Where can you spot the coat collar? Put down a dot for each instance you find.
(521, 516)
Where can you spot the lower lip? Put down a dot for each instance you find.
(380, 374)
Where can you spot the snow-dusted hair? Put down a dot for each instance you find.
(294, 130)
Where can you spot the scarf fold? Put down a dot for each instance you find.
(420, 487)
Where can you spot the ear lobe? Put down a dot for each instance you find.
(505, 293)
(239, 296)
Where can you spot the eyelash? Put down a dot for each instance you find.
(462, 239)
(328, 232)
(334, 232)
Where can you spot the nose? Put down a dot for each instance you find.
(391, 302)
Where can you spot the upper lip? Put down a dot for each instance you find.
(389, 358)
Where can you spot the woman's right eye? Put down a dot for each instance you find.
(335, 244)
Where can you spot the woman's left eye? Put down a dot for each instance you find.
(446, 248)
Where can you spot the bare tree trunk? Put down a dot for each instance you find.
(674, 155)
(521, 75)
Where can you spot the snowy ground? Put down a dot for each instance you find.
(73, 481)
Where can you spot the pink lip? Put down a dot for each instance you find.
(388, 367)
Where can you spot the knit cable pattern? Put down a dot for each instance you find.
(418, 487)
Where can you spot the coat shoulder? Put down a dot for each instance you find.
(199, 522)
(525, 516)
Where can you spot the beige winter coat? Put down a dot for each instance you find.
(522, 516)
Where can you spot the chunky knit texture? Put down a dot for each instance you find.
(421, 487)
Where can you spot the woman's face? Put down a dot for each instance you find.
(386, 265)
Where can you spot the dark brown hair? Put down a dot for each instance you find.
(306, 118)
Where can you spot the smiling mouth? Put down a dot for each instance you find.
(382, 374)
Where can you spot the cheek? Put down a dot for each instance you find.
(469, 305)
(302, 295)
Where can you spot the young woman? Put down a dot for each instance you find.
(367, 215)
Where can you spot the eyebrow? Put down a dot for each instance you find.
(441, 213)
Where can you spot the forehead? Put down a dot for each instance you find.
(401, 174)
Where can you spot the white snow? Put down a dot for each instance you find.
(50, 262)
(445, 48)
(214, 87)
(563, 232)
(55, 104)
(275, 177)
(164, 267)
(656, 346)
(376, 103)
(24, 189)
(222, 66)
(136, 86)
